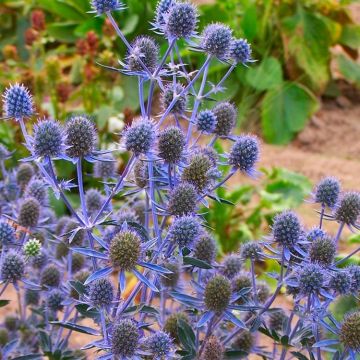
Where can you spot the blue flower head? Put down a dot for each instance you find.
(327, 192)
(48, 139)
(206, 121)
(240, 51)
(216, 40)
(103, 6)
(181, 21)
(18, 102)
(245, 153)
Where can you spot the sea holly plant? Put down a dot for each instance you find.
(136, 255)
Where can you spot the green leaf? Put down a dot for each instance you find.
(307, 41)
(130, 24)
(350, 36)
(75, 327)
(249, 22)
(64, 10)
(196, 262)
(299, 355)
(268, 75)
(350, 69)
(4, 302)
(62, 31)
(83, 309)
(186, 335)
(285, 110)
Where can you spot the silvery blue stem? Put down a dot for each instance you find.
(61, 192)
(228, 73)
(347, 257)
(81, 189)
(337, 237)
(197, 102)
(213, 140)
(322, 215)
(117, 187)
(253, 281)
(186, 88)
(4, 288)
(183, 65)
(103, 326)
(141, 96)
(152, 198)
(124, 40)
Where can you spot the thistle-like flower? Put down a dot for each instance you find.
(125, 338)
(206, 121)
(144, 51)
(245, 153)
(286, 228)
(231, 265)
(322, 251)
(327, 192)
(350, 331)
(216, 40)
(217, 294)
(80, 137)
(32, 248)
(171, 145)
(205, 248)
(29, 213)
(184, 231)
(18, 102)
(171, 93)
(213, 349)
(159, 344)
(348, 210)
(50, 276)
(226, 115)
(181, 21)
(240, 51)
(140, 136)
(104, 6)
(101, 293)
(13, 267)
(48, 140)
(7, 233)
(182, 200)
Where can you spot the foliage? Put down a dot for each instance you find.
(292, 43)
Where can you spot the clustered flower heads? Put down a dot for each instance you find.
(135, 251)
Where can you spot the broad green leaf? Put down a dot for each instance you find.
(350, 36)
(284, 112)
(62, 31)
(130, 24)
(249, 22)
(267, 75)
(4, 302)
(64, 10)
(307, 41)
(350, 69)
(196, 262)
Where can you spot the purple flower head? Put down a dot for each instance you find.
(159, 344)
(170, 93)
(101, 293)
(125, 338)
(171, 144)
(48, 139)
(226, 115)
(240, 51)
(104, 6)
(18, 102)
(311, 278)
(140, 136)
(245, 153)
(162, 8)
(350, 331)
(206, 121)
(12, 267)
(80, 137)
(7, 233)
(286, 228)
(143, 48)
(182, 199)
(181, 21)
(205, 248)
(216, 40)
(217, 294)
(340, 282)
(327, 192)
(348, 209)
(184, 231)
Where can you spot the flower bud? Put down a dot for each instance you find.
(171, 145)
(216, 40)
(182, 200)
(101, 293)
(125, 338)
(18, 102)
(217, 294)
